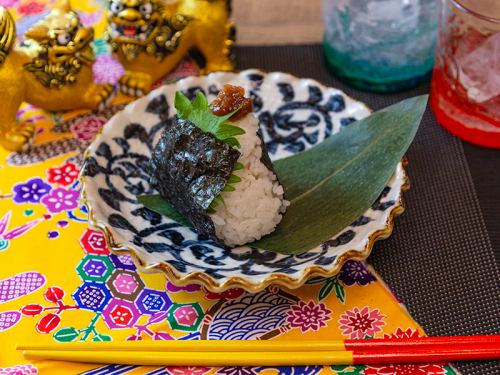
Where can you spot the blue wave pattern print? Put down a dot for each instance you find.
(249, 317)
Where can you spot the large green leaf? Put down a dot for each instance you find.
(335, 182)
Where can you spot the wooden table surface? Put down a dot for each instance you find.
(277, 22)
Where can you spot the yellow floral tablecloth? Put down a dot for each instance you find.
(59, 283)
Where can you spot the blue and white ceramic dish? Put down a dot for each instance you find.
(295, 114)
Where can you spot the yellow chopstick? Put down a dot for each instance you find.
(195, 345)
(272, 353)
(273, 345)
(213, 359)
(433, 355)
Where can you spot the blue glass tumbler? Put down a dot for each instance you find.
(380, 45)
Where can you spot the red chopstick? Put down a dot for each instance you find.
(423, 342)
(430, 355)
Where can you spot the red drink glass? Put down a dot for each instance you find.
(465, 95)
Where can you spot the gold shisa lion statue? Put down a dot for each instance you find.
(52, 70)
(150, 37)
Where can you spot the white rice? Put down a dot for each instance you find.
(255, 208)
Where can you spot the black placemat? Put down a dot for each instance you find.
(484, 165)
(439, 260)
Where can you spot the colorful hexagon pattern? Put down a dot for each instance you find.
(125, 284)
(124, 262)
(120, 314)
(93, 242)
(185, 317)
(92, 296)
(150, 301)
(95, 268)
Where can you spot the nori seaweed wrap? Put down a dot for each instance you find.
(190, 168)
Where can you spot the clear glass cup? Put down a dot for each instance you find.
(380, 45)
(465, 95)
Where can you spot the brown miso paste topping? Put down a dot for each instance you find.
(229, 99)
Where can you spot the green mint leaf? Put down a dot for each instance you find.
(232, 142)
(199, 113)
(183, 105)
(213, 207)
(228, 188)
(227, 130)
(200, 101)
(233, 179)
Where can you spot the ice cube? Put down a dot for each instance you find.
(368, 22)
(479, 71)
(400, 13)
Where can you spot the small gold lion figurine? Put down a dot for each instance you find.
(52, 69)
(150, 37)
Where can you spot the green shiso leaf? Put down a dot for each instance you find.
(182, 104)
(233, 179)
(334, 183)
(199, 113)
(227, 130)
(213, 206)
